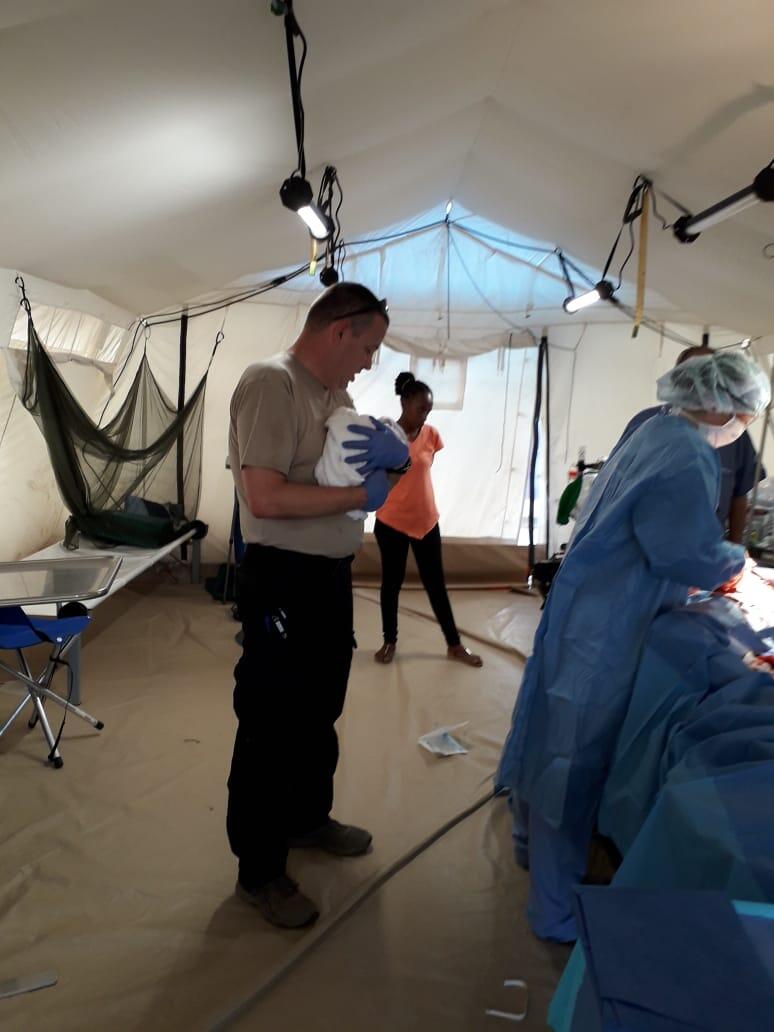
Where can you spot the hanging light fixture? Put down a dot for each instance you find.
(296, 191)
(296, 194)
(603, 291)
(688, 227)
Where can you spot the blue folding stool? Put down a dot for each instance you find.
(19, 632)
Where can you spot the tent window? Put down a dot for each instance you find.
(64, 331)
(480, 477)
(447, 377)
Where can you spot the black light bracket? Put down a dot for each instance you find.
(296, 192)
(689, 227)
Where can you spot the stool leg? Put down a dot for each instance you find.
(56, 758)
(14, 715)
(74, 659)
(46, 693)
(33, 719)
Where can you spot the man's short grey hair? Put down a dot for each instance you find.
(343, 300)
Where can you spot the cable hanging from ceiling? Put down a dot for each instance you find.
(569, 271)
(321, 215)
(642, 202)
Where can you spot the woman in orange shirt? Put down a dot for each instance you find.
(410, 517)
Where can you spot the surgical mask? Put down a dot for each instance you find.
(718, 436)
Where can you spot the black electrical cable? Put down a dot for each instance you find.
(70, 682)
(576, 269)
(673, 202)
(566, 272)
(340, 246)
(651, 324)
(501, 315)
(208, 307)
(301, 63)
(632, 212)
(296, 71)
(656, 213)
(337, 243)
(508, 243)
(625, 262)
(399, 235)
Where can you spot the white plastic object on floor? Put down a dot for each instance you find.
(512, 983)
(441, 741)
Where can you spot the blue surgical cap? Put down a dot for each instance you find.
(727, 381)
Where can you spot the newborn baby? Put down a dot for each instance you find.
(332, 469)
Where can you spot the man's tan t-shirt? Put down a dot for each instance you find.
(278, 414)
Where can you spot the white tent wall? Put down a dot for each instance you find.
(32, 514)
(477, 491)
(600, 376)
(480, 475)
(44, 292)
(251, 333)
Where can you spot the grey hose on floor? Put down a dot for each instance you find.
(500, 646)
(314, 938)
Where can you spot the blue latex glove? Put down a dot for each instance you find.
(381, 449)
(377, 488)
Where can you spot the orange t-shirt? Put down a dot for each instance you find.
(410, 506)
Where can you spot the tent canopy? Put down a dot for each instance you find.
(465, 286)
(143, 145)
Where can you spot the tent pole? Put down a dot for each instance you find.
(759, 463)
(548, 446)
(527, 589)
(180, 407)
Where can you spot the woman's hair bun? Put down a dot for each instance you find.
(402, 380)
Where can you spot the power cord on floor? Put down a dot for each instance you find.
(314, 938)
(501, 646)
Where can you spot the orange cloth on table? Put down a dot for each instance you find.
(410, 506)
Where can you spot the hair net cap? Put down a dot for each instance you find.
(727, 381)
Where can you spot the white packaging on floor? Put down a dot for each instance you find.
(442, 743)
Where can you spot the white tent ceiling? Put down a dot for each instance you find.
(143, 144)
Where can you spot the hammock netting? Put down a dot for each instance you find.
(137, 479)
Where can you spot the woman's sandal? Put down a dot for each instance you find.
(386, 653)
(463, 655)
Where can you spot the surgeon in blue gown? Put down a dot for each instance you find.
(647, 533)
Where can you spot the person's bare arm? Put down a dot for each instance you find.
(737, 519)
(269, 495)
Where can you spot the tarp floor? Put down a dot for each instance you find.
(116, 872)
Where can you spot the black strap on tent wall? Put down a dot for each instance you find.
(547, 491)
(181, 405)
(542, 362)
(118, 480)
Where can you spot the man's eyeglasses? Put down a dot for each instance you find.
(379, 306)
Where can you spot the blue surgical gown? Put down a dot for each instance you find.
(647, 533)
